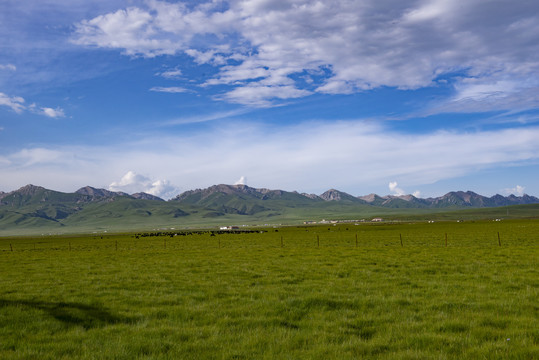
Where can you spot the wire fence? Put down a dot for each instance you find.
(363, 236)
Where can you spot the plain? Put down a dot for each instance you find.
(442, 290)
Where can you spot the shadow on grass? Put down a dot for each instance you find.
(71, 314)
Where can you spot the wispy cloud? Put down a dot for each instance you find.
(495, 93)
(170, 74)
(263, 95)
(10, 67)
(16, 103)
(221, 115)
(46, 111)
(32, 157)
(170, 89)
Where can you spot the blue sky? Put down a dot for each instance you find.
(390, 97)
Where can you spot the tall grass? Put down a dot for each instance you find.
(119, 297)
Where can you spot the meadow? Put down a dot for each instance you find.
(443, 290)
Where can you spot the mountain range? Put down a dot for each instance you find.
(36, 208)
(209, 195)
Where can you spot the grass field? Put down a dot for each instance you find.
(443, 290)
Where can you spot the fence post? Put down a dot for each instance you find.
(356, 239)
(499, 240)
(318, 240)
(400, 236)
(282, 244)
(11, 247)
(445, 239)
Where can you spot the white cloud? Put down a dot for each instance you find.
(517, 190)
(8, 67)
(46, 111)
(16, 103)
(396, 190)
(132, 29)
(170, 89)
(13, 102)
(163, 189)
(206, 57)
(262, 47)
(262, 96)
(161, 28)
(393, 187)
(52, 113)
(132, 183)
(129, 182)
(242, 181)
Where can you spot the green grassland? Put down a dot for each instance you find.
(136, 215)
(442, 290)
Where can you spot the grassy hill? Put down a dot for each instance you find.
(128, 214)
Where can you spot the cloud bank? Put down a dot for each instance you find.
(132, 183)
(271, 51)
(311, 157)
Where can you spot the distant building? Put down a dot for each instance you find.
(377, 220)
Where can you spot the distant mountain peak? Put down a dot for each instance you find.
(336, 195)
(369, 198)
(311, 196)
(146, 196)
(29, 189)
(99, 193)
(226, 198)
(407, 197)
(332, 195)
